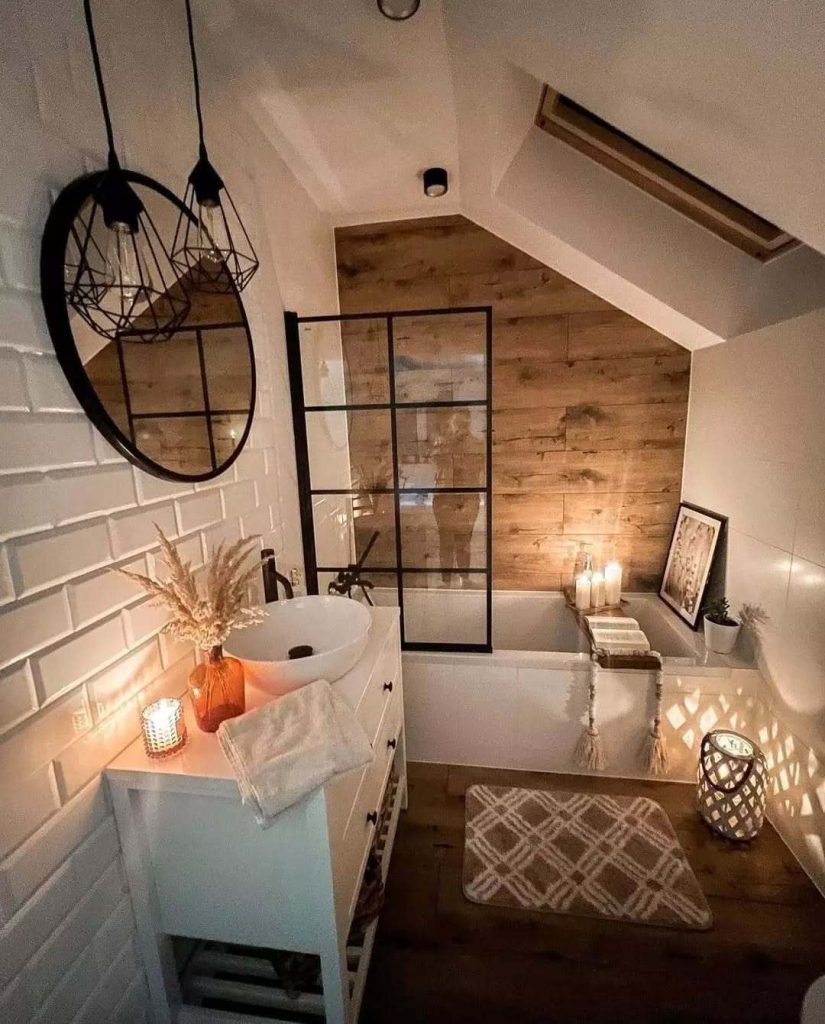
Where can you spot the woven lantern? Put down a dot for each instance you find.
(733, 784)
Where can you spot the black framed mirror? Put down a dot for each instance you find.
(180, 407)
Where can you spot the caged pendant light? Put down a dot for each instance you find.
(211, 243)
(118, 274)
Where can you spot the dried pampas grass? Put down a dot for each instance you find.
(205, 618)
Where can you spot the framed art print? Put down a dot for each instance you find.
(690, 558)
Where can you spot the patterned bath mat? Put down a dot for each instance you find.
(579, 853)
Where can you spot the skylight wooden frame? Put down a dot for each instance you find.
(565, 119)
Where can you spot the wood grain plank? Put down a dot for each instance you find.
(595, 427)
(534, 431)
(612, 334)
(644, 471)
(446, 245)
(558, 554)
(524, 292)
(519, 516)
(532, 337)
(523, 572)
(650, 515)
(389, 292)
(522, 382)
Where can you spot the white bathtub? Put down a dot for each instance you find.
(524, 706)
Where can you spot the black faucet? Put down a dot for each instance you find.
(272, 578)
(350, 578)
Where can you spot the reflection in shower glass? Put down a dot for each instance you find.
(442, 446)
(440, 358)
(344, 362)
(444, 531)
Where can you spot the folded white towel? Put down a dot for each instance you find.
(290, 746)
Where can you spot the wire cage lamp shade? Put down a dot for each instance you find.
(118, 274)
(733, 784)
(211, 244)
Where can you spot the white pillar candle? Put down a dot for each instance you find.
(597, 590)
(612, 583)
(582, 592)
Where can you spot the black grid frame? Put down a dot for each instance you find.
(292, 324)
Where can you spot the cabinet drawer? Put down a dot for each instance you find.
(379, 690)
(376, 705)
(360, 829)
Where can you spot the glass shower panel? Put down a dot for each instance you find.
(444, 531)
(442, 446)
(366, 361)
(437, 614)
(374, 513)
(392, 421)
(332, 525)
(350, 449)
(344, 362)
(440, 357)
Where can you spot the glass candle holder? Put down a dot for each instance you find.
(164, 730)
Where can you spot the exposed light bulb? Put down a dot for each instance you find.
(121, 262)
(206, 233)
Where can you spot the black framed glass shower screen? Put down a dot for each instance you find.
(392, 414)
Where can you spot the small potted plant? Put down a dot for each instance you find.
(721, 629)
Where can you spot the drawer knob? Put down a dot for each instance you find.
(372, 817)
(388, 687)
(392, 744)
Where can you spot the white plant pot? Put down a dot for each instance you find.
(720, 639)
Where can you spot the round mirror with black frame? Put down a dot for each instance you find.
(180, 404)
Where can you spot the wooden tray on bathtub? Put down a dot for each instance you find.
(645, 662)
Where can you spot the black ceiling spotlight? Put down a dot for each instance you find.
(211, 244)
(435, 182)
(117, 272)
(398, 10)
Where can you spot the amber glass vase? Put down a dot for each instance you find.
(217, 689)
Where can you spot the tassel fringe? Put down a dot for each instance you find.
(656, 756)
(590, 750)
(655, 748)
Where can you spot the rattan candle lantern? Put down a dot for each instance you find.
(733, 784)
(164, 730)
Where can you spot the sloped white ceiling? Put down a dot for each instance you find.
(358, 106)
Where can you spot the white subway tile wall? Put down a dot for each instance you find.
(80, 651)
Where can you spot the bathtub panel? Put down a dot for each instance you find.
(504, 714)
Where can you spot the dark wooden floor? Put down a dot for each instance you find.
(439, 958)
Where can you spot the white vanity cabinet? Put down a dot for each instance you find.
(201, 869)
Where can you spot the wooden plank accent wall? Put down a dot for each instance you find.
(589, 405)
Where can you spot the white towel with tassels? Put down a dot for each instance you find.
(291, 746)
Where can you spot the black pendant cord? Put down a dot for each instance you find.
(101, 88)
(195, 77)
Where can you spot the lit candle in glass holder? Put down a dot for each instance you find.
(164, 730)
(597, 590)
(612, 583)
(582, 592)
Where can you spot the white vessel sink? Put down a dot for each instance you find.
(336, 628)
